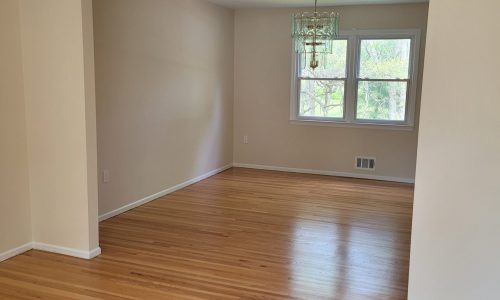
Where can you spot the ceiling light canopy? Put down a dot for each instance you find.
(314, 33)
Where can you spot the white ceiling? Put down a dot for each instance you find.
(304, 3)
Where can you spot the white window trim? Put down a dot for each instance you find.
(354, 38)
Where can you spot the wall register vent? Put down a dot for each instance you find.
(365, 163)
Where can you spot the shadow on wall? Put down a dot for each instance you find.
(164, 108)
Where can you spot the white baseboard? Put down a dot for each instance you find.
(50, 248)
(161, 194)
(67, 251)
(16, 251)
(97, 251)
(323, 172)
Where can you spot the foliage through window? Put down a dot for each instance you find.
(369, 79)
(384, 74)
(322, 91)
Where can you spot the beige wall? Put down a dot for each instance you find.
(455, 239)
(164, 73)
(15, 224)
(90, 122)
(63, 204)
(262, 98)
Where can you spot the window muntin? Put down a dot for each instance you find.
(375, 91)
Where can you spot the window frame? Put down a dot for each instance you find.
(354, 38)
(299, 79)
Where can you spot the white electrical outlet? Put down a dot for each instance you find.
(245, 139)
(105, 176)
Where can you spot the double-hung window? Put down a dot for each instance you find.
(322, 91)
(369, 79)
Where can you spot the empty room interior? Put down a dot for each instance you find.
(250, 149)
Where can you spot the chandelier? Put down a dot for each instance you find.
(314, 32)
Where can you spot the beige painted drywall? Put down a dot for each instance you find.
(90, 122)
(262, 98)
(58, 94)
(456, 225)
(15, 223)
(164, 74)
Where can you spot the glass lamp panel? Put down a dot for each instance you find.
(320, 24)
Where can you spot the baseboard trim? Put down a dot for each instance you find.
(165, 192)
(323, 172)
(50, 248)
(16, 251)
(67, 251)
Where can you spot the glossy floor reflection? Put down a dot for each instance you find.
(242, 234)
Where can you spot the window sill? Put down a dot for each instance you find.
(375, 126)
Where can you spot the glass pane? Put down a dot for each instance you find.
(322, 98)
(330, 65)
(381, 100)
(385, 59)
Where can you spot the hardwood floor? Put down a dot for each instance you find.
(242, 234)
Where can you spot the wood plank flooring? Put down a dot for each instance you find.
(242, 234)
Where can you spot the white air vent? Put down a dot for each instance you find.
(365, 163)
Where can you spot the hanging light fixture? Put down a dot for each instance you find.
(314, 32)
